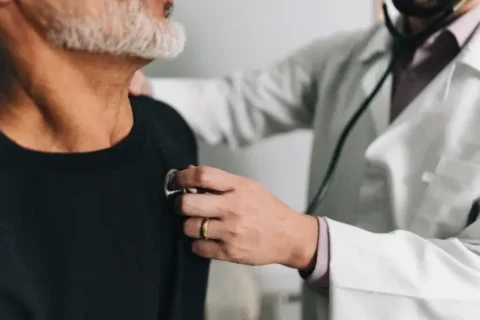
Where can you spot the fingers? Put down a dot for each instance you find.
(206, 178)
(192, 228)
(209, 249)
(201, 205)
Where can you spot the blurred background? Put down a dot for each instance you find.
(226, 35)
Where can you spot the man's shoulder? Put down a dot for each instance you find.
(157, 111)
(168, 125)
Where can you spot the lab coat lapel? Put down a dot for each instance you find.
(396, 147)
(402, 147)
(375, 59)
(466, 100)
(453, 158)
(456, 149)
(469, 55)
(423, 133)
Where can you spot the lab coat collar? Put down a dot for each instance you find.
(375, 58)
(379, 43)
(470, 55)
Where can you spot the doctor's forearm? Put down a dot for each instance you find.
(244, 107)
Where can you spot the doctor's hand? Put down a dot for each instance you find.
(247, 224)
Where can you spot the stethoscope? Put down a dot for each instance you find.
(399, 39)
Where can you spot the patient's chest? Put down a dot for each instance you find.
(86, 246)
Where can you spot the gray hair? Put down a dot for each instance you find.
(122, 28)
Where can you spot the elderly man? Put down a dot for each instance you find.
(397, 235)
(85, 230)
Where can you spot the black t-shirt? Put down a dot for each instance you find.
(92, 236)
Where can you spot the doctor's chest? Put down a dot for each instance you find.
(420, 173)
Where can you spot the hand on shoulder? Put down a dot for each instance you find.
(139, 85)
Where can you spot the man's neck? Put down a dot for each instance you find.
(68, 103)
(417, 25)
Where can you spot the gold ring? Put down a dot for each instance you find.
(204, 229)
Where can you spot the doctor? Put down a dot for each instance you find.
(394, 238)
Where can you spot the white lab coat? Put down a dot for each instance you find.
(398, 207)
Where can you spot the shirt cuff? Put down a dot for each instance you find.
(319, 279)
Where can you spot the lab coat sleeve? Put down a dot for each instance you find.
(248, 105)
(400, 275)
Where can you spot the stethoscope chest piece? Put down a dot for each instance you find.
(171, 192)
(168, 183)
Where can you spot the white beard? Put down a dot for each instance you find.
(126, 28)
